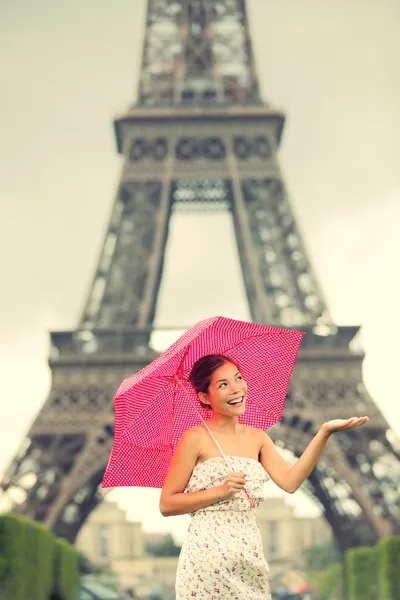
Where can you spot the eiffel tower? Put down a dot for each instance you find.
(200, 137)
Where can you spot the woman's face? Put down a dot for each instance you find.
(227, 391)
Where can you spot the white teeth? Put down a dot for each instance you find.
(236, 402)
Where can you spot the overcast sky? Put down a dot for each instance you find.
(67, 68)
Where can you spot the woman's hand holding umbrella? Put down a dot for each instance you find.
(233, 484)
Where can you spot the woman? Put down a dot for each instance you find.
(222, 555)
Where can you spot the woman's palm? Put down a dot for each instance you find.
(341, 424)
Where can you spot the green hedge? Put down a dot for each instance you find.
(389, 587)
(34, 563)
(12, 542)
(330, 582)
(373, 573)
(38, 551)
(363, 573)
(66, 570)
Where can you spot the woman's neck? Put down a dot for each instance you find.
(232, 427)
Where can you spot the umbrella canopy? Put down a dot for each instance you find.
(155, 406)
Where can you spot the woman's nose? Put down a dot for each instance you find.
(235, 387)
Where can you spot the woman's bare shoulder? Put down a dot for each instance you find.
(255, 434)
(253, 430)
(195, 430)
(197, 435)
(193, 433)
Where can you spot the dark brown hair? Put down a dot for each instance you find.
(202, 370)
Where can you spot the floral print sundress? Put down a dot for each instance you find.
(222, 554)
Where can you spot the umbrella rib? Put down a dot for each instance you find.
(249, 339)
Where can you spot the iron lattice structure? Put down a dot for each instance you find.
(200, 137)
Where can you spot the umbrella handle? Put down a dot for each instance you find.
(252, 504)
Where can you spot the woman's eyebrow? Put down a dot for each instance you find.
(238, 373)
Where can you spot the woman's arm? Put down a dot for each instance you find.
(183, 503)
(174, 500)
(289, 478)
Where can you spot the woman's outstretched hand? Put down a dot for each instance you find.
(341, 424)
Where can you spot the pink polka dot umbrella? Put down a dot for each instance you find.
(155, 406)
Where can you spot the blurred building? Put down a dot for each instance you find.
(285, 536)
(108, 538)
(107, 535)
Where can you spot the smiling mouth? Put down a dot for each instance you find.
(237, 402)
